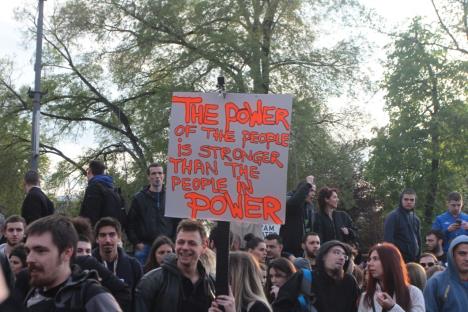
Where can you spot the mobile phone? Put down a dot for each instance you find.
(458, 221)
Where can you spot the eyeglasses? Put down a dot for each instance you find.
(427, 265)
(340, 253)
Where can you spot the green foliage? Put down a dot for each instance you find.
(424, 146)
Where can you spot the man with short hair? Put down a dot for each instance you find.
(300, 214)
(100, 198)
(428, 260)
(310, 245)
(447, 291)
(146, 220)
(274, 245)
(434, 245)
(51, 243)
(83, 247)
(36, 204)
(181, 283)
(108, 234)
(454, 221)
(402, 227)
(14, 233)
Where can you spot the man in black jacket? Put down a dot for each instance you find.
(57, 286)
(36, 204)
(299, 216)
(146, 220)
(180, 284)
(108, 235)
(331, 288)
(100, 198)
(402, 227)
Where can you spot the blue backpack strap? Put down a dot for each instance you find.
(306, 291)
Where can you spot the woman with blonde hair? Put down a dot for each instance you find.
(247, 293)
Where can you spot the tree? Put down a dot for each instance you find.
(424, 145)
(137, 52)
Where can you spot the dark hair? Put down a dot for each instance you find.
(108, 221)
(306, 235)
(151, 262)
(325, 193)
(438, 234)
(31, 177)
(14, 219)
(84, 238)
(60, 227)
(97, 167)
(83, 228)
(455, 196)
(279, 264)
(188, 225)
(252, 241)
(153, 165)
(20, 252)
(395, 276)
(273, 236)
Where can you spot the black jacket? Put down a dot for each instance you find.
(329, 229)
(81, 292)
(101, 200)
(36, 205)
(327, 294)
(146, 219)
(128, 268)
(117, 288)
(402, 228)
(298, 211)
(161, 289)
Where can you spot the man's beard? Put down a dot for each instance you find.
(336, 274)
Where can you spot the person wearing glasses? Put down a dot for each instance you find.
(428, 260)
(388, 286)
(332, 289)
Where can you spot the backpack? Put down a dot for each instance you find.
(306, 297)
(114, 203)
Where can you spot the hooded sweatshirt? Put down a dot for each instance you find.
(324, 288)
(445, 291)
(402, 228)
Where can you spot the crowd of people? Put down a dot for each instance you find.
(51, 262)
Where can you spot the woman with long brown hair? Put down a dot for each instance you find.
(388, 287)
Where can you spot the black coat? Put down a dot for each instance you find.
(146, 219)
(297, 212)
(36, 205)
(329, 229)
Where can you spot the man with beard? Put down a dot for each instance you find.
(402, 227)
(274, 246)
(331, 288)
(300, 214)
(146, 220)
(57, 286)
(310, 245)
(14, 233)
(434, 245)
(108, 234)
(181, 283)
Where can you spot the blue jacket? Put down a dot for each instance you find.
(443, 221)
(445, 292)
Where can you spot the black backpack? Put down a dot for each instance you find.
(114, 203)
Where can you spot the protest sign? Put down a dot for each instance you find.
(228, 157)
